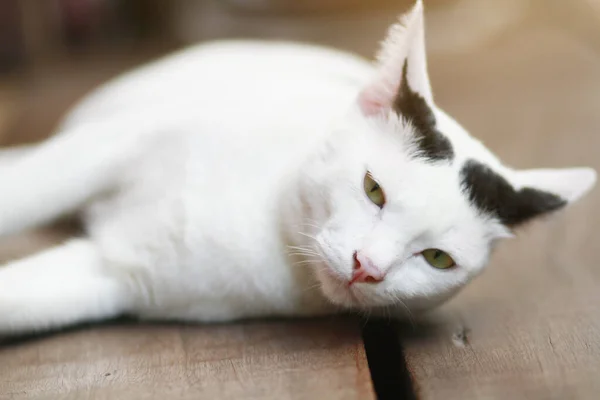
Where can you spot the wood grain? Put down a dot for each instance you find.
(276, 360)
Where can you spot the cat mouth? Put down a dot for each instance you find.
(342, 287)
(337, 278)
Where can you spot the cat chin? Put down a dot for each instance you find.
(337, 290)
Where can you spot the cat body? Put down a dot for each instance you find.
(205, 202)
(250, 179)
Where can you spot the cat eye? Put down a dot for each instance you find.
(438, 259)
(373, 191)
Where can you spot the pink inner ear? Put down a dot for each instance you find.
(377, 98)
(369, 107)
(372, 101)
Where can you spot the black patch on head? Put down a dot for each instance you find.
(412, 106)
(492, 194)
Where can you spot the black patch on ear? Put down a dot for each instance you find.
(492, 194)
(414, 108)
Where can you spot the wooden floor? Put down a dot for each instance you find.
(529, 328)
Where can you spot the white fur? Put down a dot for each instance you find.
(225, 182)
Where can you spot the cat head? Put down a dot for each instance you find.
(403, 206)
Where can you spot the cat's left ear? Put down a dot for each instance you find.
(402, 69)
(516, 197)
(570, 184)
(542, 191)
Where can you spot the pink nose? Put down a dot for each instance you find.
(365, 271)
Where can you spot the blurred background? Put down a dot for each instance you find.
(504, 68)
(54, 51)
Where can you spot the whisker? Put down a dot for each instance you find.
(303, 253)
(320, 267)
(309, 224)
(309, 248)
(312, 287)
(307, 257)
(408, 312)
(366, 315)
(307, 235)
(303, 262)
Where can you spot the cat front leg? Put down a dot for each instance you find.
(62, 286)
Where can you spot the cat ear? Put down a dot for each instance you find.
(526, 194)
(542, 191)
(570, 184)
(401, 69)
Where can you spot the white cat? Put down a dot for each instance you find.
(251, 179)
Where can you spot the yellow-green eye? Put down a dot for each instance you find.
(438, 259)
(374, 191)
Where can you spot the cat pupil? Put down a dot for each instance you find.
(375, 187)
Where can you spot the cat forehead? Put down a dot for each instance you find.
(432, 191)
(428, 206)
(452, 192)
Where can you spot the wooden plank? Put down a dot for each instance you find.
(530, 326)
(321, 359)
